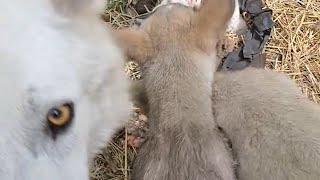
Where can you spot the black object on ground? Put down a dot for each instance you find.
(250, 53)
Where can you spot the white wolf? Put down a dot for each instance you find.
(63, 89)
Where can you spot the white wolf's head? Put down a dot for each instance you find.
(63, 91)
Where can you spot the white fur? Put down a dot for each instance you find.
(191, 3)
(237, 24)
(48, 58)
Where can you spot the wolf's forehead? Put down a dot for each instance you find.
(46, 81)
(38, 54)
(26, 9)
(49, 72)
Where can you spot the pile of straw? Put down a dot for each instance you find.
(294, 48)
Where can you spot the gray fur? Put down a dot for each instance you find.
(273, 127)
(184, 141)
(176, 49)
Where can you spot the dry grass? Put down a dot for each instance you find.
(294, 48)
(115, 160)
(116, 16)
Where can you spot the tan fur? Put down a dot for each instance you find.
(273, 127)
(135, 44)
(176, 49)
(174, 24)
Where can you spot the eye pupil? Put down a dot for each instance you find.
(55, 113)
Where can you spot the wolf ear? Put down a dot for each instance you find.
(136, 44)
(76, 7)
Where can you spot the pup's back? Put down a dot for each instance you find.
(176, 49)
(274, 129)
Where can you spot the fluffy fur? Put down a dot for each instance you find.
(273, 127)
(50, 57)
(176, 49)
(236, 24)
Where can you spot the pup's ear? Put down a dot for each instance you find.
(77, 7)
(213, 16)
(136, 44)
(210, 22)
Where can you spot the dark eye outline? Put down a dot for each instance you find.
(65, 112)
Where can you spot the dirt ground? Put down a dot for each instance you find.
(294, 48)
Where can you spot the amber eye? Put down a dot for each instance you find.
(60, 116)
